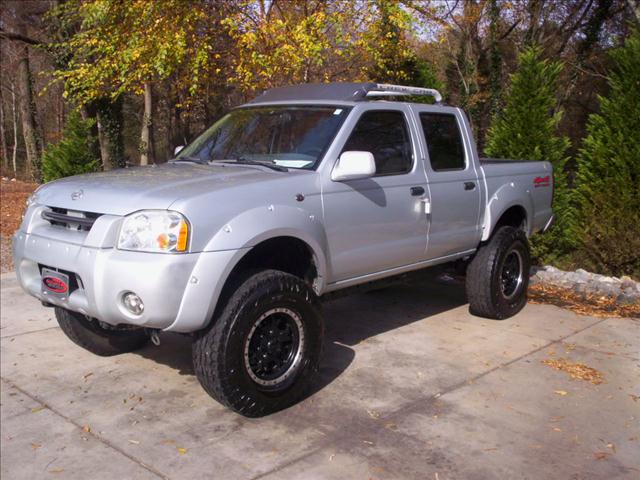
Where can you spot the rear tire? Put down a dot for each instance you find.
(261, 352)
(498, 276)
(97, 337)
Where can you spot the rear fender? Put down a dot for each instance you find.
(509, 195)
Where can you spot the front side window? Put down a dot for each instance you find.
(444, 143)
(384, 133)
(293, 137)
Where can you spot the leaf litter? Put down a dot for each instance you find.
(583, 304)
(578, 371)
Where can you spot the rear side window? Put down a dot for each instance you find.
(385, 135)
(444, 142)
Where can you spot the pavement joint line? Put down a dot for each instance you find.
(408, 408)
(27, 333)
(334, 438)
(98, 437)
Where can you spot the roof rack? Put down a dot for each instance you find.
(341, 92)
(386, 90)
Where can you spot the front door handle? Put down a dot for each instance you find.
(469, 185)
(417, 191)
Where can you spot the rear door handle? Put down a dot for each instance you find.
(417, 191)
(469, 185)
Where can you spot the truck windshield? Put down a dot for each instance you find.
(291, 137)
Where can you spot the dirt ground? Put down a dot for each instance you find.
(13, 197)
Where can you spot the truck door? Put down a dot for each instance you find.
(377, 223)
(454, 187)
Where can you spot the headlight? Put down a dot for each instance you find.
(154, 231)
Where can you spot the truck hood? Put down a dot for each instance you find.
(122, 191)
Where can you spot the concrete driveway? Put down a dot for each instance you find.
(412, 386)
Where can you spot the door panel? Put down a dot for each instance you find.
(454, 187)
(376, 223)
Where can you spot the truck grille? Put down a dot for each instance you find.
(70, 219)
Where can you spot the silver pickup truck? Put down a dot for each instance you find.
(303, 191)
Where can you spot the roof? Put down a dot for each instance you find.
(343, 92)
(339, 92)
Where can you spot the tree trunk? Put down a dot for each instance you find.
(3, 136)
(28, 116)
(146, 135)
(14, 118)
(109, 122)
(495, 59)
(108, 162)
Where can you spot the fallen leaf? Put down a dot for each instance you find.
(86, 429)
(560, 392)
(556, 429)
(600, 455)
(390, 426)
(181, 450)
(35, 446)
(56, 470)
(37, 409)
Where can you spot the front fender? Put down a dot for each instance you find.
(509, 195)
(262, 223)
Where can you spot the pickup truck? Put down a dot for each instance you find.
(303, 191)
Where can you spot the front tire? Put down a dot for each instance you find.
(498, 276)
(97, 337)
(261, 352)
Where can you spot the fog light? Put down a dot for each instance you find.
(133, 303)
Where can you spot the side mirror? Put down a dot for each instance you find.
(354, 165)
(177, 150)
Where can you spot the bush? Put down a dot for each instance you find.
(607, 193)
(527, 130)
(74, 154)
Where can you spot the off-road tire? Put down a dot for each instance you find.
(483, 283)
(219, 350)
(102, 340)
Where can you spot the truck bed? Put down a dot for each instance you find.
(507, 179)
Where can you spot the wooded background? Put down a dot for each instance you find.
(97, 84)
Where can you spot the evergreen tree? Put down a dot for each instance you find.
(74, 154)
(526, 129)
(607, 190)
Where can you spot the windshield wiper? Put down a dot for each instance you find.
(198, 160)
(264, 163)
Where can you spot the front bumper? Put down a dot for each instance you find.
(179, 291)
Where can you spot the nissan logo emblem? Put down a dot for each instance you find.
(78, 194)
